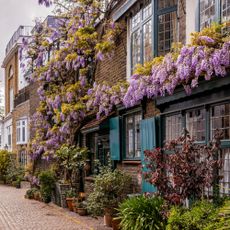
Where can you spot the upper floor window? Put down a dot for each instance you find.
(21, 128)
(214, 11)
(132, 130)
(11, 72)
(145, 37)
(11, 99)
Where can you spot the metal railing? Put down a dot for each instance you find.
(22, 31)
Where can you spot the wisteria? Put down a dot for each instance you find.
(191, 65)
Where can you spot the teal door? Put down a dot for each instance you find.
(148, 142)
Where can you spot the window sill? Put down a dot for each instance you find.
(133, 162)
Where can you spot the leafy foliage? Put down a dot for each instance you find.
(185, 171)
(142, 213)
(110, 188)
(47, 183)
(202, 216)
(4, 164)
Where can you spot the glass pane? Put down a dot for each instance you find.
(220, 116)
(18, 135)
(225, 172)
(166, 3)
(23, 134)
(148, 41)
(137, 136)
(167, 33)
(195, 123)
(225, 10)
(207, 12)
(136, 48)
(136, 19)
(147, 11)
(129, 137)
(173, 126)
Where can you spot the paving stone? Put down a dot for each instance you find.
(18, 213)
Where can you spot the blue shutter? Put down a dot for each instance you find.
(114, 138)
(148, 142)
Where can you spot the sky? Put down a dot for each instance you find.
(14, 13)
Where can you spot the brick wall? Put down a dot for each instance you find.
(20, 111)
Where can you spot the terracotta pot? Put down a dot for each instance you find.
(69, 202)
(116, 224)
(82, 211)
(108, 220)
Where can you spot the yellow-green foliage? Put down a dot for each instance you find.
(4, 163)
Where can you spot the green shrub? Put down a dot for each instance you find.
(142, 213)
(4, 164)
(203, 215)
(110, 188)
(30, 193)
(47, 183)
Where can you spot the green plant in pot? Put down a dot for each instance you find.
(82, 208)
(70, 199)
(110, 188)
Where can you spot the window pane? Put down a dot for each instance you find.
(147, 11)
(148, 41)
(207, 12)
(220, 116)
(167, 24)
(166, 3)
(137, 136)
(195, 123)
(225, 10)
(129, 137)
(18, 134)
(136, 19)
(136, 48)
(225, 172)
(23, 134)
(173, 126)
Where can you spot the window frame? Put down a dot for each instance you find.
(20, 128)
(9, 135)
(124, 140)
(218, 13)
(154, 33)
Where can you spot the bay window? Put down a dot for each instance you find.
(21, 128)
(150, 39)
(213, 11)
(132, 133)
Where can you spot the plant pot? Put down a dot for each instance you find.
(108, 220)
(74, 207)
(116, 224)
(82, 211)
(69, 202)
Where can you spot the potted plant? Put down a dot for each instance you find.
(70, 198)
(110, 188)
(81, 209)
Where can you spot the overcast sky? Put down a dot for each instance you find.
(14, 13)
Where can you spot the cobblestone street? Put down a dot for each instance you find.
(18, 213)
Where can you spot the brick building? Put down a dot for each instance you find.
(15, 130)
(151, 28)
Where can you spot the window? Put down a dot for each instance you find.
(141, 22)
(195, 123)
(173, 125)
(209, 12)
(9, 135)
(11, 99)
(132, 130)
(23, 158)
(21, 128)
(142, 30)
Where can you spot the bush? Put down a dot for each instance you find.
(142, 213)
(202, 216)
(30, 193)
(4, 163)
(47, 183)
(110, 188)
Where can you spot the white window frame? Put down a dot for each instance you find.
(21, 131)
(9, 135)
